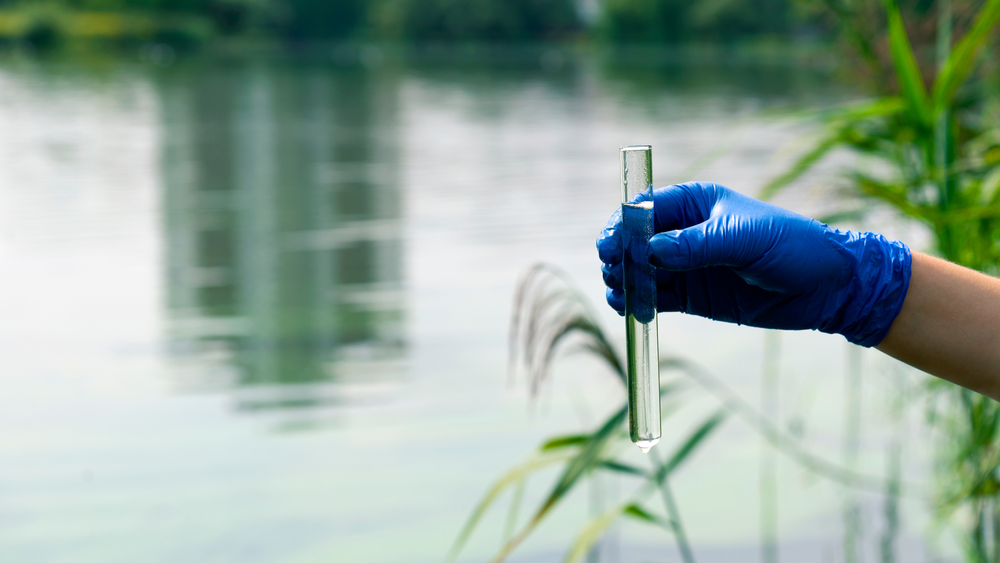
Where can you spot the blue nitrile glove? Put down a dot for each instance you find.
(723, 255)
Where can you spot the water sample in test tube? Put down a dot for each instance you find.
(643, 361)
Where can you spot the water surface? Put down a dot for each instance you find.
(256, 311)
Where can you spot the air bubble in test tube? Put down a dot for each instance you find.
(643, 361)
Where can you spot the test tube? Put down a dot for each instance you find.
(643, 361)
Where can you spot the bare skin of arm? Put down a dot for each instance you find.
(949, 325)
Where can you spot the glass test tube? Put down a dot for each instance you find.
(643, 361)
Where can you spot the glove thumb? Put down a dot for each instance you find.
(685, 249)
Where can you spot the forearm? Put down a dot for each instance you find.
(949, 325)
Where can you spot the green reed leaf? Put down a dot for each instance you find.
(844, 215)
(895, 195)
(513, 509)
(623, 468)
(514, 476)
(963, 58)
(843, 131)
(882, 107)
(780, 440)
(990, 188)
(972, 214)
(907, 71)
(592, 532)
(565, 442)
(639, 513)
(584, 460)
(692, 443)
(801, 166)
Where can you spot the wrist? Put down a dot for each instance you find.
(875, 287)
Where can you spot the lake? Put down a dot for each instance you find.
(255, 309)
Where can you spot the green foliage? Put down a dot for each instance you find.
(46, 26)
(591, 533)
(958, 67)
(947, 182)
(489, 21)
(474, 20)
(906, 68)
(549, 315)
(643, 21)
(935, 153)
(675, 21)
(316, 19)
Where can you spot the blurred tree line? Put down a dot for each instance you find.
(674, 21)
(619, 21)
(181, 22)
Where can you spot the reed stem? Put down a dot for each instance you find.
(675, 518)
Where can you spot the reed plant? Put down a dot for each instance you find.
(550, 317)
(929, 147)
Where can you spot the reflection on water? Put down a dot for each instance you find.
(282, 219)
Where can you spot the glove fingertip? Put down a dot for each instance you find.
(609, 247)
(616, 299)
(679, 251)
(662, 248)
(612, 274)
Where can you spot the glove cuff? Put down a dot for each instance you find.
(876, 287)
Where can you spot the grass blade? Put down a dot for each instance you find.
(843, 124)
(844, 216)
(512, 512)
(910, 82)
(578, 465)
(894, 195)
(560, 442)
(638, 512)
(675, 522)
(788, 446)
(592, 532)
(800, 167)
(511, 477)
(693, 441)
(586, 459)
(623, 468)
(956, 70)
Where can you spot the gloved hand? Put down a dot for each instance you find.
(729, 257)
